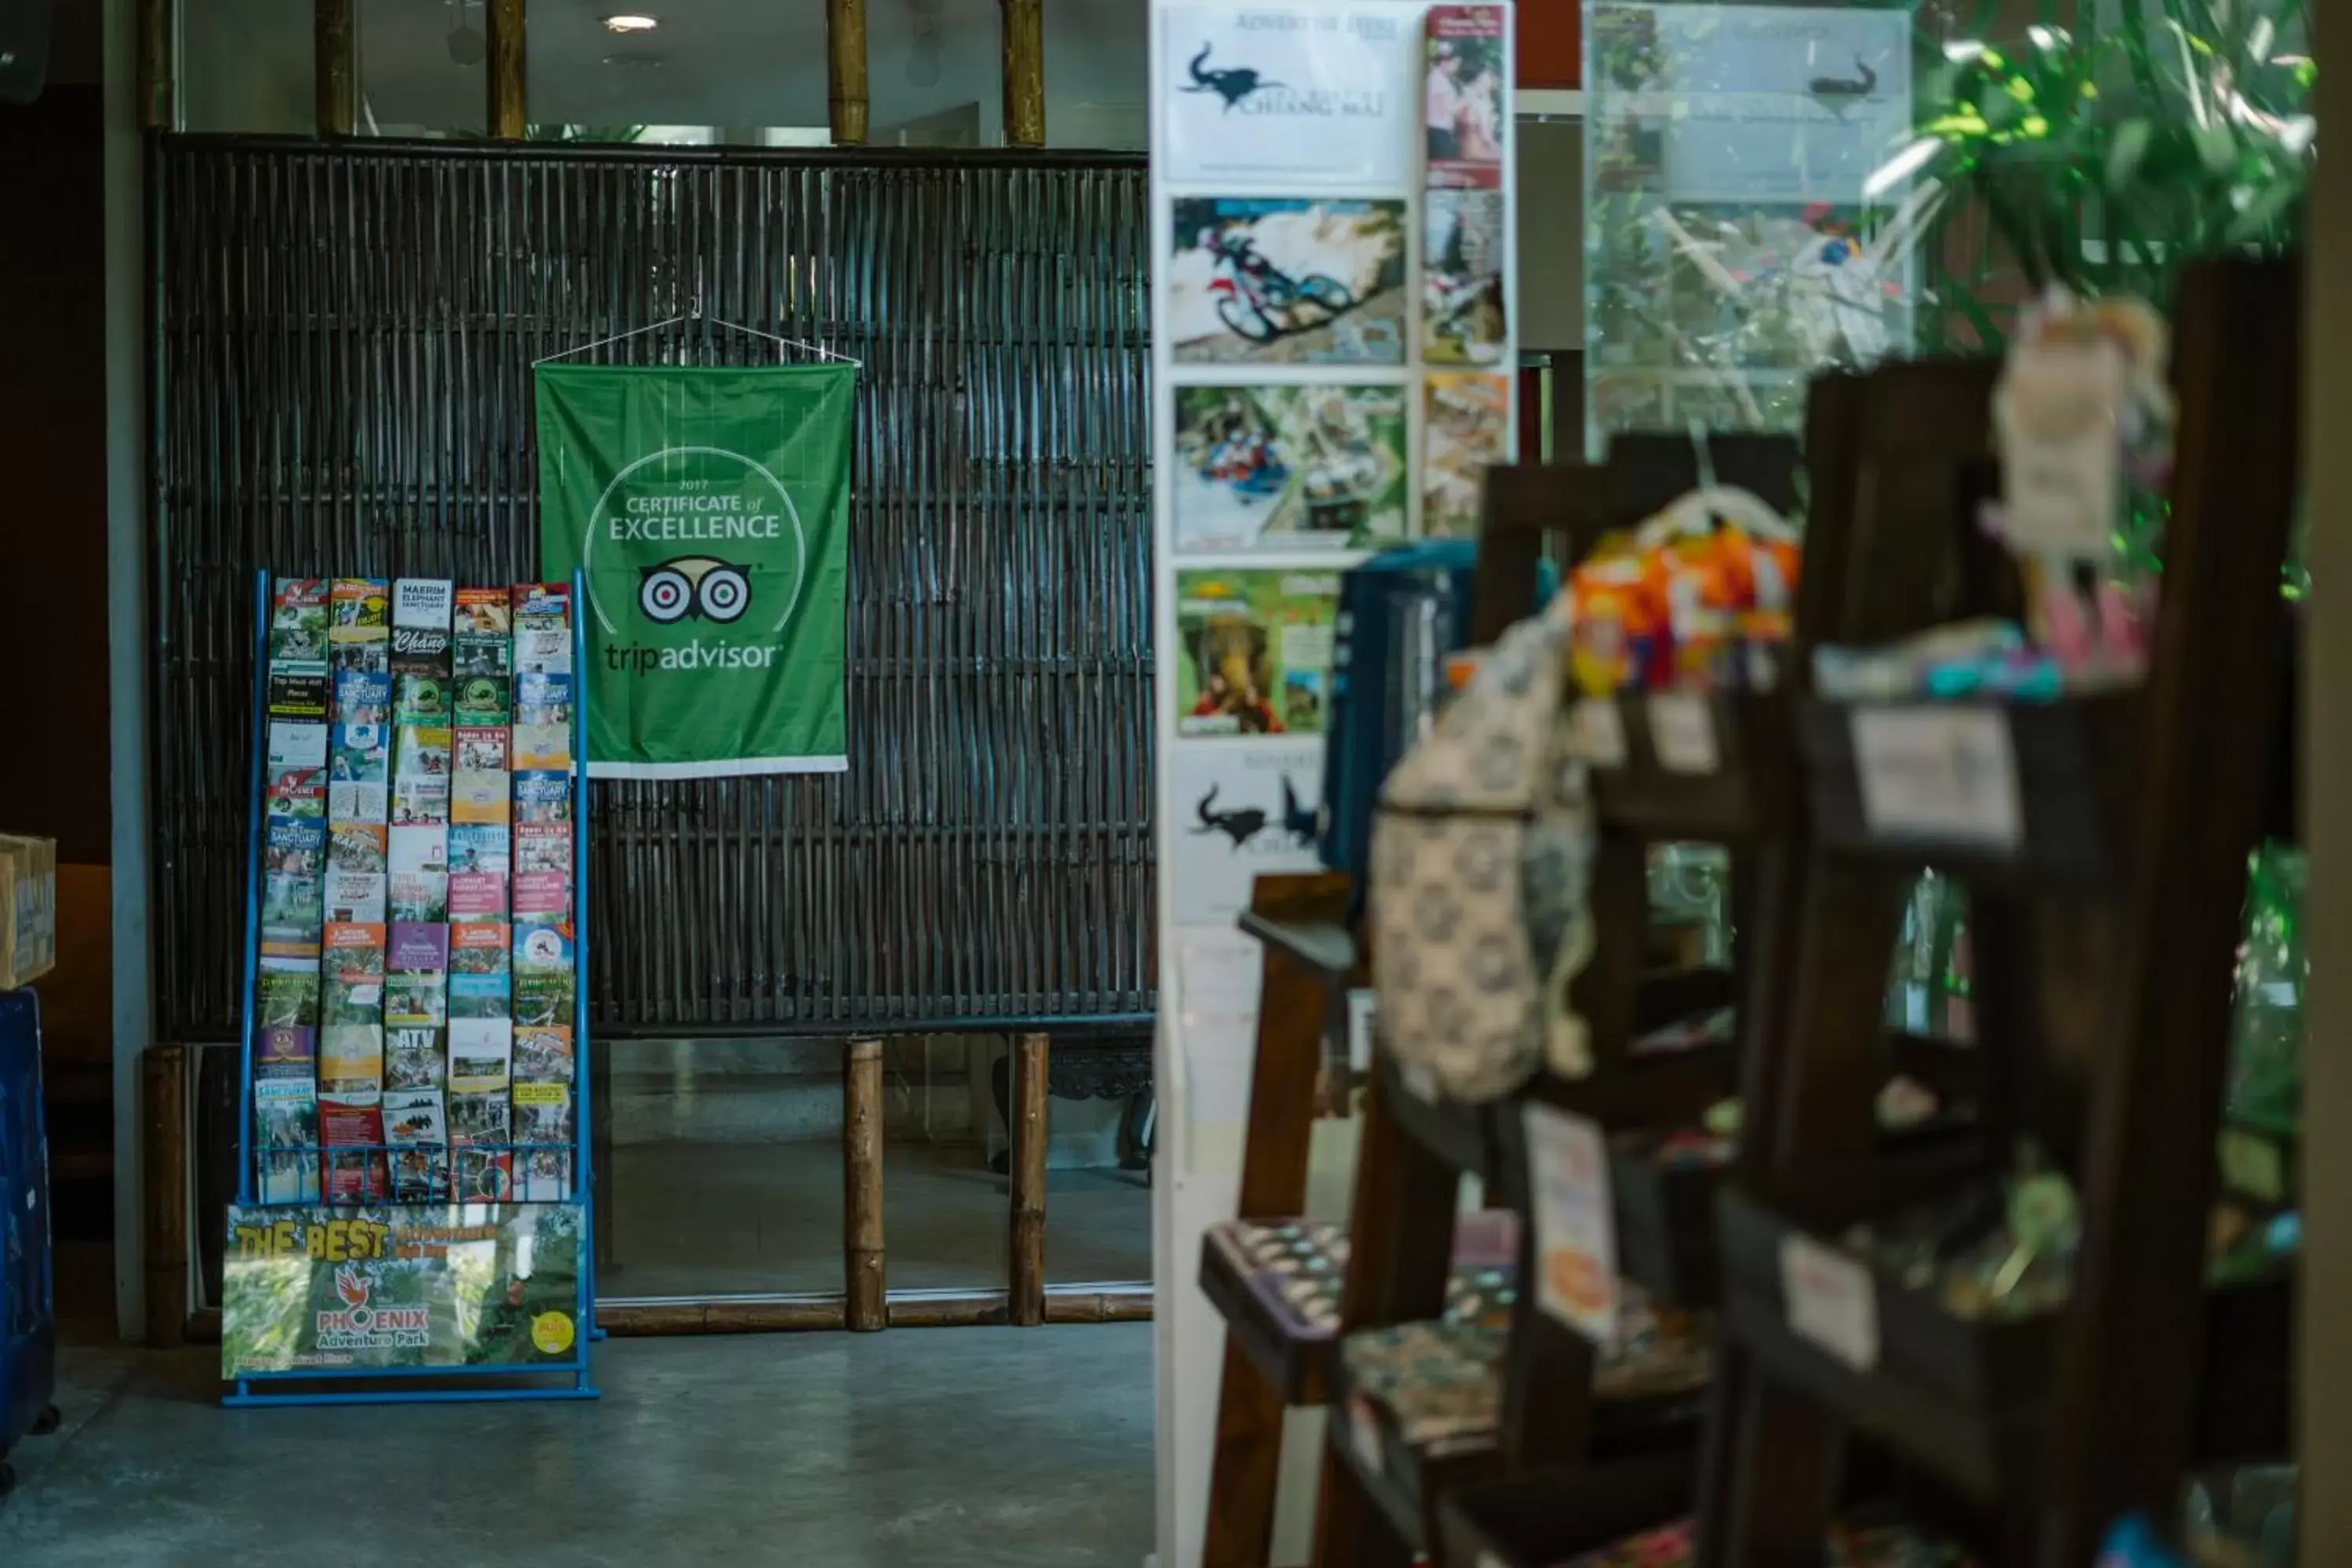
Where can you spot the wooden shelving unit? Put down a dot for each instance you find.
(2103, 920)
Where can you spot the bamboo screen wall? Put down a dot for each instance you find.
(342, 351)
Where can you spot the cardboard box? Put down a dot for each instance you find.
(28, 909)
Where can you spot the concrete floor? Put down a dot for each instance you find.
(915, 1448)
(713, 1218)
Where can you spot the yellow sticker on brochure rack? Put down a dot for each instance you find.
(553, 1333)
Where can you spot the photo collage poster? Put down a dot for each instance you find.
(1735, 243)
(418, 964)
(1338, 367)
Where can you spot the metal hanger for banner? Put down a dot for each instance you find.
(695, 315)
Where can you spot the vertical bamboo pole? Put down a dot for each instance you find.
(1025, 73)
(1027, 1273)
(163, 1085)
(506, 72)
(863, 1260)
(844, 43)
(335, 41)
(159, 74)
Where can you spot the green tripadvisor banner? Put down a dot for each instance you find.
(374, 1288)
(711, 510)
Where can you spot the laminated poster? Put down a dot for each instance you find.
(1298, 94)
(1466, 428)
(1463, 115)
(1242, 809)
(1289, 467)
(1465, 243)
(1256, 651)
(380, 1289)
(1287, 281)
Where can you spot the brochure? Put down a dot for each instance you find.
(362, 697)
(298, 794)
(478, 798)
(362, 609)
(542, 847)
(285, 1050)
(294, 849)
(477, 896)
(418, 1132)
(416, 975)
(543, 699)
(421, 847)
(479, 1176)
(483, 700)
(354, 951)
(426, 603)
(543, 1113)
(416, 897)
(481, 1059)
(482, 613)
(478, 971)
(483, 659)
(542, 650)
(298, 691)
(420, 698)
(361, 754)
(542, 607)
(355, 898)
(355, 847)
(298, 621)
(480, 996)
(351, 1128)
(542, 746)
(417, 802)
(543, 797)
(542, 1054)
(412, 1057)
(481, 749)
(479, 847)
(296, 744)
(349, 802)
(420, 751)
(293, 909)
(546, 1176)
(542, 897)
(285, 1133)
(350, 1060)
(352, 976)
(287, 991)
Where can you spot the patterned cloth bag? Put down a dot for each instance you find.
(1482, 858)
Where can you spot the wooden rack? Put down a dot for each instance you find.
(2104, 930)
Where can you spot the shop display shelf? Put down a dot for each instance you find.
(1670, 766)
(1409, 1461)
(1459, 1134)
(1546, 1516)
(1324, 946)
(2014, 795)
(1969, 1398)
(1666, 1221)
(1278, 1283)
(2259, 1160)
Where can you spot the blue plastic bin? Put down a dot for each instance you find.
(28, 1337)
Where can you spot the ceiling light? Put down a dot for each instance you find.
(631, 23)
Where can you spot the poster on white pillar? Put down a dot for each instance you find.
(1335, 235)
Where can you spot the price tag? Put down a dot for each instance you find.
(1946, 773)
(1597, 732)
(2061, 450)
(1360, 1028)
(1576, 1226)
(1830, 1300)
(1364, 1432)
(1681, 733)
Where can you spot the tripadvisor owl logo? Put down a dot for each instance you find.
(695, 558)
